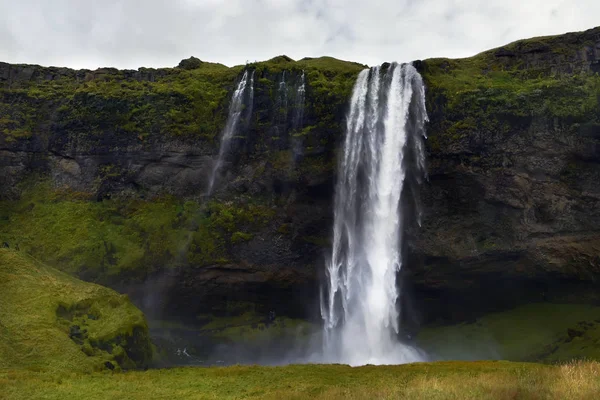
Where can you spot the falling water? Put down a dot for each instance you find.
(279, 124)
(236, 110)
(299, 103)
(383, 151)
(298, 117)
(283, 92)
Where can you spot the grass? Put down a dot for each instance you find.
(52, 321)
(533, 332)
(443, 380)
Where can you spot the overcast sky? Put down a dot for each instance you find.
(159, 33)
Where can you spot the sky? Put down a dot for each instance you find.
(160, 33)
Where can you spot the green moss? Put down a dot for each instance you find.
(120, 237)
(238, 237)
(262, 331)
(175, 102)
(536, 332)
(328, 65)
(172, 102)
(19, 118)
(282, 160)
(284, 163)
(317, 240)
(51, 321)
(490, 94)
(457, 129)
(331, 65)
(284, 229)
(253, 327)
(316, 165)
(306, 131)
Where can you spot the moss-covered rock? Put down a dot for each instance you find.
(124, 236)
(52, 321)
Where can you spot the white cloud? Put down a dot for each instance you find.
(132, 33)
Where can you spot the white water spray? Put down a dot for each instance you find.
(299, 103)
(283, 97)
(384, 132)
(236, 110)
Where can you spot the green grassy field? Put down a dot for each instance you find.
(443, 380)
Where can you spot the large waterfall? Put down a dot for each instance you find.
(383, 152)
(237, 109)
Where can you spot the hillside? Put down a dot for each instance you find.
(50, 321)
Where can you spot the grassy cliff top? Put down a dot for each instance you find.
(52, 321)
(528, 76)
(190, 100)
(518, 65)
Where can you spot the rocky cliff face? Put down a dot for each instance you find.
(105, 173)
(125, 156)
(512, 204)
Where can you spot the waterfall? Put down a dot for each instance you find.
(383, 155)
(236, 110)
(280, 114)
(299, 104)
(298, 116)
(283, 93)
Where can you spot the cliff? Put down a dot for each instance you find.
(105, 174)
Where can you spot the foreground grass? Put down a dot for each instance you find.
(442, 380)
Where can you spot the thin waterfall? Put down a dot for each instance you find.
(298, 116)
(279, 124)
(383, 153)
(250, 100)
(283, 94)
(237, 109)
(299, 103)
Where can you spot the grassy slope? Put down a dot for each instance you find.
(534, 332)
(447, 380)
(38, 307)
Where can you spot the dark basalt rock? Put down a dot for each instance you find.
(109, 365)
